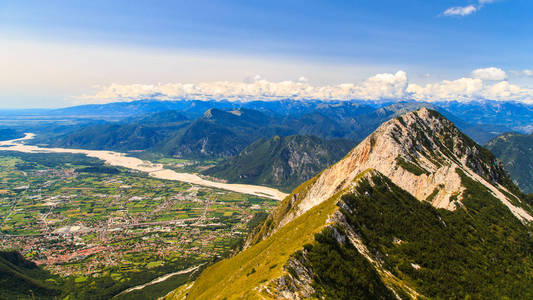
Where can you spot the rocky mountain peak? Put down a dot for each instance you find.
(423, 153)
(359, 230)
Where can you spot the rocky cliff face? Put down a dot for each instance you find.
(374, 240)
(420, 152)
(282, 162)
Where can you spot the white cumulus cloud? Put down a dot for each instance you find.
(491, 73)
(463, 89)
(470, 89)
(383, 86)
(503, 90)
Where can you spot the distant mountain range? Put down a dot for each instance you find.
(500, 114)
(137, 133)
(416, 210)
(483, 111)
(513, 115)
(223, 129)
(516, 152)
(207, 129)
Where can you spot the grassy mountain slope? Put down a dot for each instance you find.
(220, 134)
(22, 279)
(264, 260)
(122, 137)
(283, 162)
(416, 210)
(134, 134)
(516, 153)
(374, 240)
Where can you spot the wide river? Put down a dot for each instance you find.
(154, 170)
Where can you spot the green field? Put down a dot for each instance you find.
(105, 229)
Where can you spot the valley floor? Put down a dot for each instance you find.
(154, 170)
(101, 229)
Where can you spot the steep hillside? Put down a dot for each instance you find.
(220, 134)
(374, 240)
(282, 162)
(122, 137)
(9, 134)
(516, 153)
(416, 210)
(133, 134)
(420, 152)
(22, 279)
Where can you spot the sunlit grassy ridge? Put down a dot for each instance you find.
(238, 276)
(478, 251)
(282, 209)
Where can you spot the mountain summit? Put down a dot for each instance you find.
(415, 210)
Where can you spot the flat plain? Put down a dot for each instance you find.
(96, 225)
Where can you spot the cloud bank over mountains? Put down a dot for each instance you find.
(487, 83)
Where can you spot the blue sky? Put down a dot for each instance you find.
(56, 51)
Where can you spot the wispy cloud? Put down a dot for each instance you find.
(487, 83)
(461, 11)
(522, 73)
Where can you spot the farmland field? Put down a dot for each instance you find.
(104, 229)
